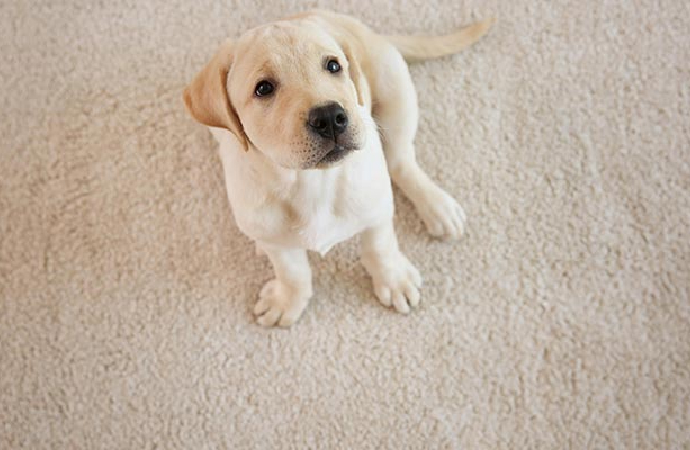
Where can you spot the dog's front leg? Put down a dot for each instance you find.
(283, 299)
(396, 280)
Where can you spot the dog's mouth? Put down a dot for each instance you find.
(337, 153)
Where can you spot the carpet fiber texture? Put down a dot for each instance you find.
(561, 320)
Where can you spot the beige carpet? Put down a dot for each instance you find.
(560, 321)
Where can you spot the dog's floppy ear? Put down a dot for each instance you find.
(357, 76)
(207, 97)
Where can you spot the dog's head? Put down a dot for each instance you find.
(288, 89)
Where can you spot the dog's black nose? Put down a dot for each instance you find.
(328, 121)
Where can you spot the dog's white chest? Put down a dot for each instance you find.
(323, 228)
(310, 209)
(347, 202)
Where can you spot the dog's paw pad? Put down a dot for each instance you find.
(443, 216)
(397, 284)
(278, 306)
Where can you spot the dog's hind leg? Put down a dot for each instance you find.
(396, 113)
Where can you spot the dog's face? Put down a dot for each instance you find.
(289, 89)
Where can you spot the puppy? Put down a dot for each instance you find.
(314, 115)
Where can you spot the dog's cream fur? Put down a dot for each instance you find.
(282, 194)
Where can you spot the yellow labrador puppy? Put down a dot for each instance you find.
(315, 114)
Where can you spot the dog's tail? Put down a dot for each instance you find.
(419, 48)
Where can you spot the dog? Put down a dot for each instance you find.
(314, 115)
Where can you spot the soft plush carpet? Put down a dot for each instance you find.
(561, 320)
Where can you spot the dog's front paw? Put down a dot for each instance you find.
(396, 282)
(279, 305)
(442, 215)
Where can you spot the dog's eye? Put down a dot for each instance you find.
(332, 66)
(263, 88)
